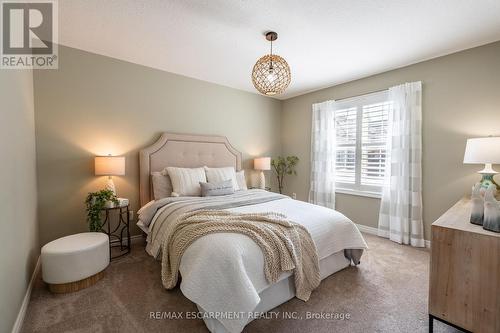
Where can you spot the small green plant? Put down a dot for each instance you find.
(94, 203)
(284, 166)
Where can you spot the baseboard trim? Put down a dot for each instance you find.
(24, 305)
(374, 231)
(136, 239)
(367, 229)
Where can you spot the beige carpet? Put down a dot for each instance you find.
(386, 293)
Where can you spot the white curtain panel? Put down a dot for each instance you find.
(322, 189)
(400, 217)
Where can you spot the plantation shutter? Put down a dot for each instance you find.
(361, 125)
(373, 143)
(346, 131)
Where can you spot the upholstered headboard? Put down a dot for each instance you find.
(185, 151)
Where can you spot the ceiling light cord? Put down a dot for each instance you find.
(271, 57)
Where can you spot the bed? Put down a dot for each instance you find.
(222, 272)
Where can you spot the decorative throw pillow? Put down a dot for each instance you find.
(240, 178)
(217, 175)
(216, 189)
(186, 181)
(162, 185)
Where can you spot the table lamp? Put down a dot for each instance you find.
(110, 166)
(262, 164)
(484, 151)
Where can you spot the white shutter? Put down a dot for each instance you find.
(373, 143)
(346, 131)
(361, 132)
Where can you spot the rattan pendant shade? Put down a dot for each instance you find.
(271, 73)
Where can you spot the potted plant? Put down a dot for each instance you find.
(284, 166)
(95, 202)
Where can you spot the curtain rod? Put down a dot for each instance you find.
(357, 96)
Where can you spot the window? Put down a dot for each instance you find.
(361, 135)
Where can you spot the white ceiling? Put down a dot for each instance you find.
(325, 42)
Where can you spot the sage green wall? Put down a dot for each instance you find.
(98, 105)
(19, 247)
(461, 99)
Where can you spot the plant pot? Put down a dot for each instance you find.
(109, 204)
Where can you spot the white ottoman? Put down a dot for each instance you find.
(75, 262)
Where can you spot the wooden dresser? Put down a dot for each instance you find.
(464, 288)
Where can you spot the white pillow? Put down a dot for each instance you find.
(242, 182)
(186, 181)
(218, 175)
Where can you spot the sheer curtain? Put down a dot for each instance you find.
(322, 189)
(400, 217)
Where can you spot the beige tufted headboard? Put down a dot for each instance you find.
(185, 151)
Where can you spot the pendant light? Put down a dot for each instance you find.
(271, 73)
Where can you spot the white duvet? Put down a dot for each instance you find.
(223, 272)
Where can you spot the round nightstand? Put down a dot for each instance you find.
(116, 230)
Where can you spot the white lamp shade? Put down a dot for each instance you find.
(262, 163)
(109, 165)
(482, 151)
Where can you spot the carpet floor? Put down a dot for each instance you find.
(387, 292)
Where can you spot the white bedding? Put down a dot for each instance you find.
(223, 272)
(282, 291)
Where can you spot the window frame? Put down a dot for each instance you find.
(372, 191)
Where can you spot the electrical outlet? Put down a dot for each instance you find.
(131, 215)
(294, 196)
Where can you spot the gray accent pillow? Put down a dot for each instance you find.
(216, 189)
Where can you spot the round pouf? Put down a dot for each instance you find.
(75, 262)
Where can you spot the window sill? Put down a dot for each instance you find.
(359, 193)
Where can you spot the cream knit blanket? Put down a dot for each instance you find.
(286, 245)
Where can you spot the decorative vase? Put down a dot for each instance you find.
(477, 200)
(491, 219)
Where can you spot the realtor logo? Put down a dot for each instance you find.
(29, 34)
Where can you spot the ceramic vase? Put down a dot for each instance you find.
(491, 220)
(477, 212)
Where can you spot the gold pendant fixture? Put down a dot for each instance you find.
(271, 73)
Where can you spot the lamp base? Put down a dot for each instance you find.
(110, 185)
(262, 180)
(488, 174)
(488, 180)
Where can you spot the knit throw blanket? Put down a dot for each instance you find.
(286, 245)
